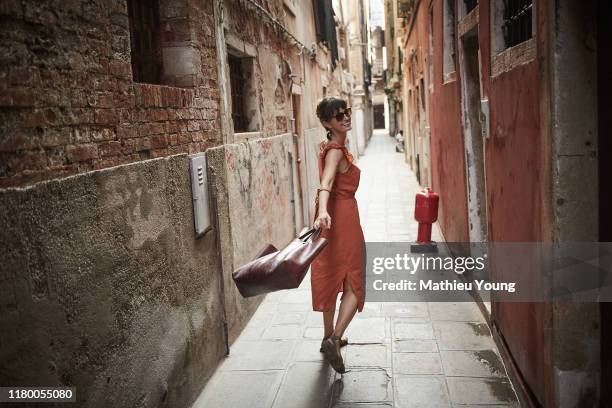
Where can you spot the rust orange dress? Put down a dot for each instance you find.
(344, 254)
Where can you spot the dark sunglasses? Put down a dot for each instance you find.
(340, 115)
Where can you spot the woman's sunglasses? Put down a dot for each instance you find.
(341, 114)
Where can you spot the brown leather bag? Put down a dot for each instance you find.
(273, 270)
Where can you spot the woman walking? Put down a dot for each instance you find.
(340, 267)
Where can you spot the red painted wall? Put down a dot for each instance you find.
(516, 163)
(517, 158)
(446, 139)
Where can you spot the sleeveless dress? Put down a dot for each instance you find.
(344, 254)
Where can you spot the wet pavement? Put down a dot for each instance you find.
(411, 354)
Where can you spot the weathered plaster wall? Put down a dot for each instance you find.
(446, 139)
(576, 340)
(254, 206)
(105, 288)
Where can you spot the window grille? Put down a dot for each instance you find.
(470, 5)
(237, 84)
(517, 21)
(143, 16)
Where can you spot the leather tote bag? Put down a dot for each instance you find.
(273, 270)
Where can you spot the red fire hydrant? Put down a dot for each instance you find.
(426, 213)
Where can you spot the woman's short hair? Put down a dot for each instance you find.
(328, 107)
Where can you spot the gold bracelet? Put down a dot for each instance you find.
(323, 189)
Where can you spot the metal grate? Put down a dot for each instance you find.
(237, 83)
(144, 24)
(517, 21)
(470, 5)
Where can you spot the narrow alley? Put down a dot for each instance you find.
(413, 354)
(149, 149)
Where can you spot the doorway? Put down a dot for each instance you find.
(604, 107)
(473, 136)
(379, 116)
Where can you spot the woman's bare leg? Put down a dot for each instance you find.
(348, 307)
(328, 321)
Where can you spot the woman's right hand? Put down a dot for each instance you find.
(323, 221)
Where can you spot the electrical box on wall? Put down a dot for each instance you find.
(484, 118)
(199, 191)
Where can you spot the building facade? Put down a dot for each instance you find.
(104, 105)
(504, 96)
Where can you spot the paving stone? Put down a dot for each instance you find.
(480, 391)
(363, 405)
(455, 311)
(370, 309)
(403, 329)
(367, 330)
(415, 346)
(297, 296)
(417, 363)
(314, 319)
(405, 309)
(275, 297)
(251, 333)
(293, 307)
(420, 392)
(257, 389)
(281, 318)
(285, 332)
(306, 385)
(478, 363)
(316, 333)
(308, 350)
(463, 336)
(258, 355)
(367, 355)
(367, 385)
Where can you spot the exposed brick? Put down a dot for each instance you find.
(67, 100)
(158, 142)
(106, 116)
(55, 137)
(103, 134)
(111, 148)
(184, 138)
(193, 125)
(81, 153)
(143, 143)
(11, 141)
(124, 132)
(197, 136)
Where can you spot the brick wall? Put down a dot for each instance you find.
(67, 100)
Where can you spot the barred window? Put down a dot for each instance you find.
(449, 37)
(237, 83)
(470, 5)
(516, 27)
(144, 23)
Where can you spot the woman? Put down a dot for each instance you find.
(340, 267)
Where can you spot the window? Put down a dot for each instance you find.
(470, 5)
(144, 23)
(517, 27)
(449, 36)
(422, 89)
(325, 26)
(512, 34)
(237, 83)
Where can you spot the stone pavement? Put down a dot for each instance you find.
(414, 354)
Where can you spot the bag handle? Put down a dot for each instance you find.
(311, 233)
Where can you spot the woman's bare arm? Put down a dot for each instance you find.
(332, 161)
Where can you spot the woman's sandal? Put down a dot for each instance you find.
(343, 342)
(332, 354)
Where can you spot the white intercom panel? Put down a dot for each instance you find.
(199, 191)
